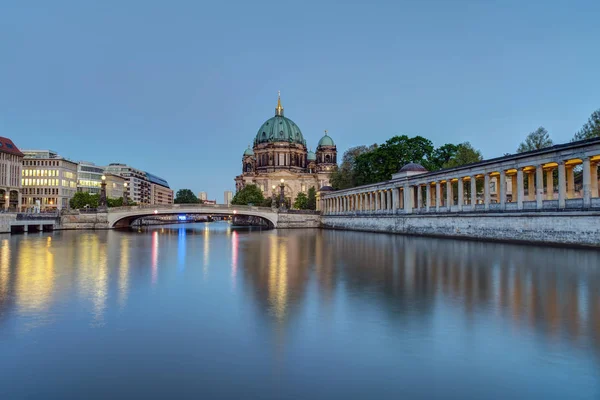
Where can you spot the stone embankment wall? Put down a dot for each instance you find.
(5, 222)
(565, 228)
(83, 221)
(289, 221)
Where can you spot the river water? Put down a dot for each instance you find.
(205, 311)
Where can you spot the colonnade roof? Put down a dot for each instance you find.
(573, 146)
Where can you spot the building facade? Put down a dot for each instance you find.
(279, 156)
(142, 187)
(202, 196)
(115, 186)
(228, 195)
(48, 180)
(160, 193)
(89, 177)
(11, 166)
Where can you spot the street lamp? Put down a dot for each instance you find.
(273, 203)
(102, 200)
(125, 199)
(6, 199)
(282, 195)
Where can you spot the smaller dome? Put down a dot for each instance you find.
(326, 189)
(413, 167)
(248, 152)
(311, 156)
(326, 141)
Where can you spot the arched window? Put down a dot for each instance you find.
(327, 158)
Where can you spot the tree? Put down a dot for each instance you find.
(301, 202)
(83, 199)
(343, 177)
(249, 194)
(312, 199)
(536, 140)
(186, 196)
(442, 155)
(114, 202)
(465, 154)
(591, 129)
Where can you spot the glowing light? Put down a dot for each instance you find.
(182, 217)
(235, 211)
(155, 211)
(154, 257)
(234, 256)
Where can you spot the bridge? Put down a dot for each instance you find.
(122, 217)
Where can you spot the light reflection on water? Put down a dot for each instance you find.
(294, 314)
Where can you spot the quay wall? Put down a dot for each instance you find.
(291, 221)
(6, 221)
(561, 228)
(84, 221)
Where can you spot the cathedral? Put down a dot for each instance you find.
(279, 153)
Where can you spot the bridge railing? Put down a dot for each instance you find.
(216, 207)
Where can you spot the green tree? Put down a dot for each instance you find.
(186, 196)
(83, 199)
(301, 202)
(250, 194)
(536, 140)
(442, 155)
(591, 129)
(344, 176)
(312, 198)
(465, 154)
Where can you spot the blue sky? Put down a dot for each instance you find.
(180, 88)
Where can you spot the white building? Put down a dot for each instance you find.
(49, 179)
(89, 177)
(202, 196)
(228, 196)
(143, 187)
(11, 164)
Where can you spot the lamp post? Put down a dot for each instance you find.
(102, 200)
(125, 199)
(282, 195)
(273, 202)
(6, 201)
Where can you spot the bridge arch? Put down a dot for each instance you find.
(122, 217)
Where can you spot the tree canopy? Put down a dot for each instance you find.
(186, 196)
(590, 129)
(301, 202)
(312, 198)
(464, 154)
(536, 140)
(83, 199)
(249, 194)
(343, 177)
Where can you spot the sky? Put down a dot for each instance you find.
(180, 88)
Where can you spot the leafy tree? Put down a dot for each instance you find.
(301, 202)
(536, 140)
(591, 129)
(114, 202)
(344, 176)
(83, 199)
(442, 155)
(186, 196)
(250, 194)
(312, 198)
(465, 154)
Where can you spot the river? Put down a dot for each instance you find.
(204, 311)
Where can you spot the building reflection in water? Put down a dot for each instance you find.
(35, 275)
(555, 292)
(154, 257)
(181, 246)
(234, 255)
(123, 271)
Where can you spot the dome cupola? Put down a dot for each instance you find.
(248, 152)
(326, 140)
(279, 129)
(311, 156)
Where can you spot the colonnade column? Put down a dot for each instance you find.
(407, 199)
(461, 193)
(562, 185)
(388, 195)
(515, 188)
(502, 184)
(570, 182)
(377, 201)
(449, 197)
(587, 183)
(520, 190)
(473, 192)
(438, 196)
(539, 186)
(530, 186)
(549, 185)
(419, 197)
(594, 178)
(395, 199)
(486, 191)
(428, 197)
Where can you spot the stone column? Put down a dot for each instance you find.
(377, 201)
(562, 185)
(407, 199)
(587, 183)
(594, 178)
(419, 197)
(486, 191)
(539, 186)
(531, 186)
(371, 201)
(461, 193)
(395, 199)
(515, 188)
(428, 197)
(388, 194)
(473, 192)
(438, 196)
(502, 189)
(520, 190)
(570, 182)
(20, 200)
(449, 197)
(549, 185)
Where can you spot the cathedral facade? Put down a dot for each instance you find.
(279, 152)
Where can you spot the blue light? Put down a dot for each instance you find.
(182, 217)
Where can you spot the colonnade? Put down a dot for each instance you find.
(532, 182)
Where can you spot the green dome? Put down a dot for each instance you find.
(279, 129)
(326, 141)
(248, 152)
(311, 156)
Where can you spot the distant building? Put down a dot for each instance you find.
(202, 196)
(11, 166)
(228, 196)
(49, 179)
(142, 187)
(115, 186)
(89, 177)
